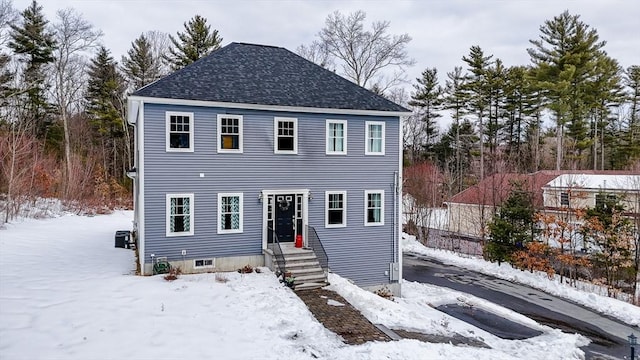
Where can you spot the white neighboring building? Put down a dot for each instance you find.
(576, 191)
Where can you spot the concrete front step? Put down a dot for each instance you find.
(309, 278)
(305, 271)
(310, 285)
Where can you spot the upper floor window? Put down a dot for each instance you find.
(229, 213)
(285, 134)
(179, 131)
(564, 199)
(374, 207)
(179, 214)
(336, 137)
(374, 138)
(336, 209)
(230, 133)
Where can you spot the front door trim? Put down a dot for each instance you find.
(305, 213)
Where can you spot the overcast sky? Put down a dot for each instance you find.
(442, 30)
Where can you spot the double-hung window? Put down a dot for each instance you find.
(179, 131)
(285, 134)
(564, 199)
(374, 137)
(230, 133)
(229, 213)
(179, 214)
(336, 137)
(373, 207)
(336, 209)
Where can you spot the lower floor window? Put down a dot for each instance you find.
(336, 208)
(203, 263)
(179, 214)
(374, 205)
(230, 213)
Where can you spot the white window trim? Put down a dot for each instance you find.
(240, 210)
(326, 209)
(168, 115)
(239, 150)
(367, 135)
(275, 135)
(344, 145)
(168, 214)
(366, 207)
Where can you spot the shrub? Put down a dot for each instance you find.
(247, 269)
(221, 278)
(173, 274)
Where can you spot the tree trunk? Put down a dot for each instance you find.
(558, 146)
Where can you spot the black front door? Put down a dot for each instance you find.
(285, 206)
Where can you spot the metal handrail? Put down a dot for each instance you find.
(315, 244)
(277, 252)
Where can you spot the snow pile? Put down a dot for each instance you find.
(67, 293)
(623, 311)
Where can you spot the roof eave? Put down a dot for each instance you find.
(187, 102)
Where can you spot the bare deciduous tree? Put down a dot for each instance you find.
(74, 36)
(7, 16)
(370, 58)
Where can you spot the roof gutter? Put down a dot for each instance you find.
(304, 109)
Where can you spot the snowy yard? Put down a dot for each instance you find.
(67, 293)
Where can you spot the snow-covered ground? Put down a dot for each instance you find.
(67, 293)
(626, 312)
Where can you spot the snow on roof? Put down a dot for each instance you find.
(596, 181)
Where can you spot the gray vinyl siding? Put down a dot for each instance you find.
(357, 252)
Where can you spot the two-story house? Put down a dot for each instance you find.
(254, 142)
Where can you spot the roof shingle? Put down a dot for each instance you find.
(264, 75)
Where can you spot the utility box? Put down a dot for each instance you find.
(122, 238)
(394, 271)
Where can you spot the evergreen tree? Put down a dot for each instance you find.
(6, 77)
(455, 99)
(428, 100)
(496, 79)
(627, 149)
(197, 41)
(477, 86)
(565, 58)
(512, 227)
(604, 95)
(139, 65)
(105, 106)
(34, 44)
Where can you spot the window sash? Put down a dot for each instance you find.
(374, 207)
(229, 213)
(179, 214)
(336, 207)
(229, 133)
(336, 137)
(179, 131)
(375, 138)
(285, 135)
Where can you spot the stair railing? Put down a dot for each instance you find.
(275, 247)
(315, 244)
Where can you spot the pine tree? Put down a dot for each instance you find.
(34, 45)
(565, 58)
(139, 65)
(627, 149)
(197, 41)
(455, 99)
(105, 106)
(427, 98)
(477, 86)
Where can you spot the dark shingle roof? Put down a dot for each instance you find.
(264, 75)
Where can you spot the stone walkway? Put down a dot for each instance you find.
(337, 315)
